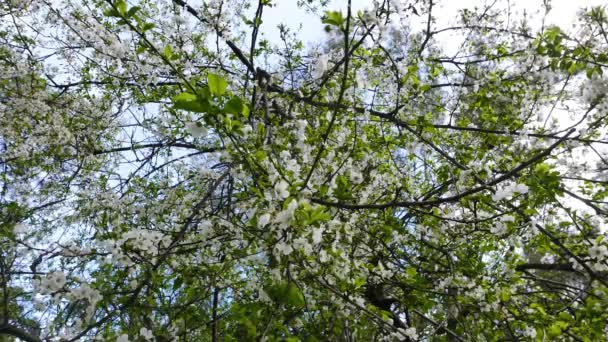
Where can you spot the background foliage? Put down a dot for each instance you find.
(170, 174)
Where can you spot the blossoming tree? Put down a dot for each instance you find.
(169, 174)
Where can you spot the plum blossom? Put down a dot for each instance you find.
(283, 248)
(501, 227)
(547, 259)
(281, 189)
(411, 333)
(284, 217)
(146, 334)
(321, 66)
(530, 332)
(263, 296)
(263, 220)
(20, 228)
(123, 338)
(301, 243)
(598, 251)
(196, 130)
(53, 282)
(356, 177)
(317, 235)
(508, 191)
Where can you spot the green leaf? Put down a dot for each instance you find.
(177, 283)
(538, 308)
(554, 330)
(121, 5)
(246, 111)
(294, 297)
(147, 27)
(168, 52)
(194, 106)
(333, 18)
(234, 106)
(286, 293)
(343, 189)
(359, 282)
(564, 316)
(184, 97)
(260, 155)
(505, 295)
(246, 329)
(217, 84)
(111, 13)
(203, 92)
(190, 102)
(319, 215)
(132, 11)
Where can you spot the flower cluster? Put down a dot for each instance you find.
(508, 191)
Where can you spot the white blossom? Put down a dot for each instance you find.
(263, 220)
(598, 251)
(411, 333)
(317, 235)
(530, 332)
(123, 338)
(547, 259)
(281, 189)
(321, 65)
(283, 248)
(146, 334)
(196, 130)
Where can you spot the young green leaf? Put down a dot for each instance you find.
(190, 102)
(333, 18)
(168, 52)
(131, 12)
(217, 84)
(121, 5)
(234, 106)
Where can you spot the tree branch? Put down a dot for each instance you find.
(15, 331)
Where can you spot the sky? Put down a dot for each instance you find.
(287, 12)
